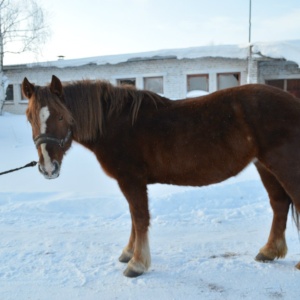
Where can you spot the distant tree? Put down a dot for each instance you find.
(22, 28)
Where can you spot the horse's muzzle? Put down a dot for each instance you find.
(50, 172)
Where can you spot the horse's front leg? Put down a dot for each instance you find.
(138, 246)
(127, 252)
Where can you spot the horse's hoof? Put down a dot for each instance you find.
(262, 258)
(297, 266)
(131, 273)
(125, 257)
(135, 268)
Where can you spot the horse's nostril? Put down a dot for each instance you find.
(56, 167)
(41, 169)
(50, 171)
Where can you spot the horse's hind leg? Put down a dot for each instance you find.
(280, 202)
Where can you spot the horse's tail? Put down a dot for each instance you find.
(296, 216)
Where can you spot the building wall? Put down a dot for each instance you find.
(173, 71)
(174, 74)
(277, 69)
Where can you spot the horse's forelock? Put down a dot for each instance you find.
(43, 97)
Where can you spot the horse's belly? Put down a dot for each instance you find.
(200, 159)
(197, 170)
(197, 175)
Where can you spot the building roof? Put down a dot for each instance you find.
(288, 50)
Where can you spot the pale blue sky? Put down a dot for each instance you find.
(85, 28)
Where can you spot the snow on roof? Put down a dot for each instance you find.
(289, 50)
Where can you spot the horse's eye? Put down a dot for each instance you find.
(60, 118)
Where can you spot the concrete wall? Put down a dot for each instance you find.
(173, 71)
(277, 69)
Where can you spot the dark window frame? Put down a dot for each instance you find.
(126, 81)
(290, 85)
(192, 76)
(9, 94)
(160, 89)
(237, 76)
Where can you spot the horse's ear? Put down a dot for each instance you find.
(56, 86)
(27, 88)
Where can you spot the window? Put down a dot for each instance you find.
(126, 81)
(276, 83)
(290, 85)
(9, 93)
(197, 82)
(154, 84)
(293, 87)
(228, 80)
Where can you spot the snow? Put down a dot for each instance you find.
(60, 239)
(288, 50)
(196, 93)
(193, 52)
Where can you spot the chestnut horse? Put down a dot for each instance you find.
(141, 138)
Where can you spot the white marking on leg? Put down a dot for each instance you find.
(144, 264)
(146, 253)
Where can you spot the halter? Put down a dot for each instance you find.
(46, 138)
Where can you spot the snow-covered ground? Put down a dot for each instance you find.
(60, 239)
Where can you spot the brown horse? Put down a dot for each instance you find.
(141, 138)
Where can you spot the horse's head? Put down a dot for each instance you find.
(51, 124)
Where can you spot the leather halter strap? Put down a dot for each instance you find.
(45, 138)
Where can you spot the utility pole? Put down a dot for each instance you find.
(250, 46)
(250, 13)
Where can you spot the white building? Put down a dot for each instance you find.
(175, 73)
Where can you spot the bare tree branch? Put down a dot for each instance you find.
(22, 28)
(22, 25)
